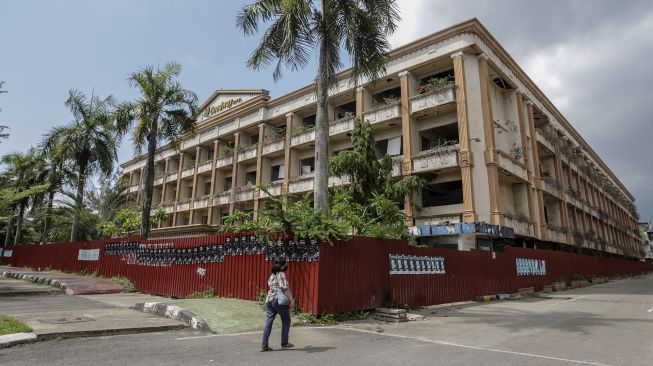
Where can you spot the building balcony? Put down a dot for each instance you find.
(274, 188)
(521, 227)
(208, 135)
(204, 167)
(511, 165)
(222, 198)
(553, 235)
(159, 179)
(342, 125)
(544, 141)
(397, 163)
(273, 146)
(383, 113)
(433, 99)
(247, 153)
(436, 159)
(133, 188)
(227, 127)
(303, 137)
(168, 207)
(224, 161)
(550, 186)
(250, 118)
(301, 184)
(188, 172)
(202, 202)
(244, 194)
(339, 181)
(171, 177)
(183, 204)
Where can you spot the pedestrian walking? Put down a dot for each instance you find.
(278, 301)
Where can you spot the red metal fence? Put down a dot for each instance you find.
(351, 275)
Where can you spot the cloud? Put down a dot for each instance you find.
(591, 58)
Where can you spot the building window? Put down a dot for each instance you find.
(346, 109)
(387, 96)
(189, 191)
(307, 166)
(207, 188)
(392, 147)
(209, 154)
(253, 140)
(205, 220)
(439, 136)
(186, 221)
(309, 121)
(441, 194)
(250, 178)
(277, 172)
(227, 184)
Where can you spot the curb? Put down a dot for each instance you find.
(11, 340)
(49, 282)
(174, 312)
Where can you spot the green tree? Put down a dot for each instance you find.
(24, 171)
(89, 142)
(164, 112)
(296, 27)
(56, 172)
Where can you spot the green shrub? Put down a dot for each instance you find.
(126, 284)
(206, 294)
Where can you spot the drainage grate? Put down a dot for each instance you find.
(67, 320)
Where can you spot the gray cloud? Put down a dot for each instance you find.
(591, 58)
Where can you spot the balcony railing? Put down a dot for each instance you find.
(397, 163)
(339, 181)
(245, 194)
(435, 159)
(273, 146)
(222, 198)
(204, 167)
(168, 207)
(159, 180)
(341, 125)
(274, 188)
(511, 165)
(133, 188)
(554, 235)
(301, 184)
(247, 153)
(202, 202)
(303, 137)
(188, 172)
(183, 205)
(171, 177)
(383, 113)
(433, 99)
(520, 227)
(224, 161)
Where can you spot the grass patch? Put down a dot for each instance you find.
(206, 294)
(126, 284)
(9, 325)
(308, 319)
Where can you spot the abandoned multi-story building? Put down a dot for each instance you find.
(505, 164)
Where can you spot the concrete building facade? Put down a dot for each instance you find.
(453, 107)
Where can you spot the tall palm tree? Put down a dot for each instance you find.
(164, 112)
(25, 172)
(89, 142)
(56, 172)
(361, 27)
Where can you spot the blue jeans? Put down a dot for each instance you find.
(273, 308)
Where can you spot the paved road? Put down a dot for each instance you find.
(609, 324)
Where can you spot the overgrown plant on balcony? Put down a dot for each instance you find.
(244, 146)
(516, 152)
(225, 150)
(434, 84)
(441, 146)
(384, 101)
(274, 134)
(298, 130)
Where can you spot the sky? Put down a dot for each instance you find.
(592, 58)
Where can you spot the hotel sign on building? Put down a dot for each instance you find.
(224, 100)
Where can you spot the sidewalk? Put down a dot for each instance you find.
(71, 283)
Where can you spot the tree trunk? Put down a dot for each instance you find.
(48, 217)
(321, 177)
(149, 183)
(10, 227)
(79, 201)
(19, 222)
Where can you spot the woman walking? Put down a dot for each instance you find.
(279, 301)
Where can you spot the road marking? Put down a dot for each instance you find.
(481, 348)
(219, 335)
(566, 301)
(650, 310)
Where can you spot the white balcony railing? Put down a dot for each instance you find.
(341, 125)
(202, 202)
(383, 113)
(396, 166)
(550, 188)
(520, 227)
(171, 177)
(274, 188)
(245, 194)
(168, 207)
(188, 172)
(511, 166)
(273, 146)
(224, 161)
(247, 153)
(133, 188)
(204, 167)
(339, 181)
(431, 100)
(301, 184)
(435, 159)
(222, 198)
(302, 138)
(208, 135)
(183, 205)
(159, 180)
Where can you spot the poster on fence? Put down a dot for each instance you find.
(88, 255)
(7, 253)
(410, 264)
(530, 267)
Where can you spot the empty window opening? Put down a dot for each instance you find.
(439, 136)
(441, 194)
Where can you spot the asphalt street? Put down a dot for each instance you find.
(608, 324)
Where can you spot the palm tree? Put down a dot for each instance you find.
(361, 27)
(89, 142)
(55, 174)
(25, 172)
(164, 112)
